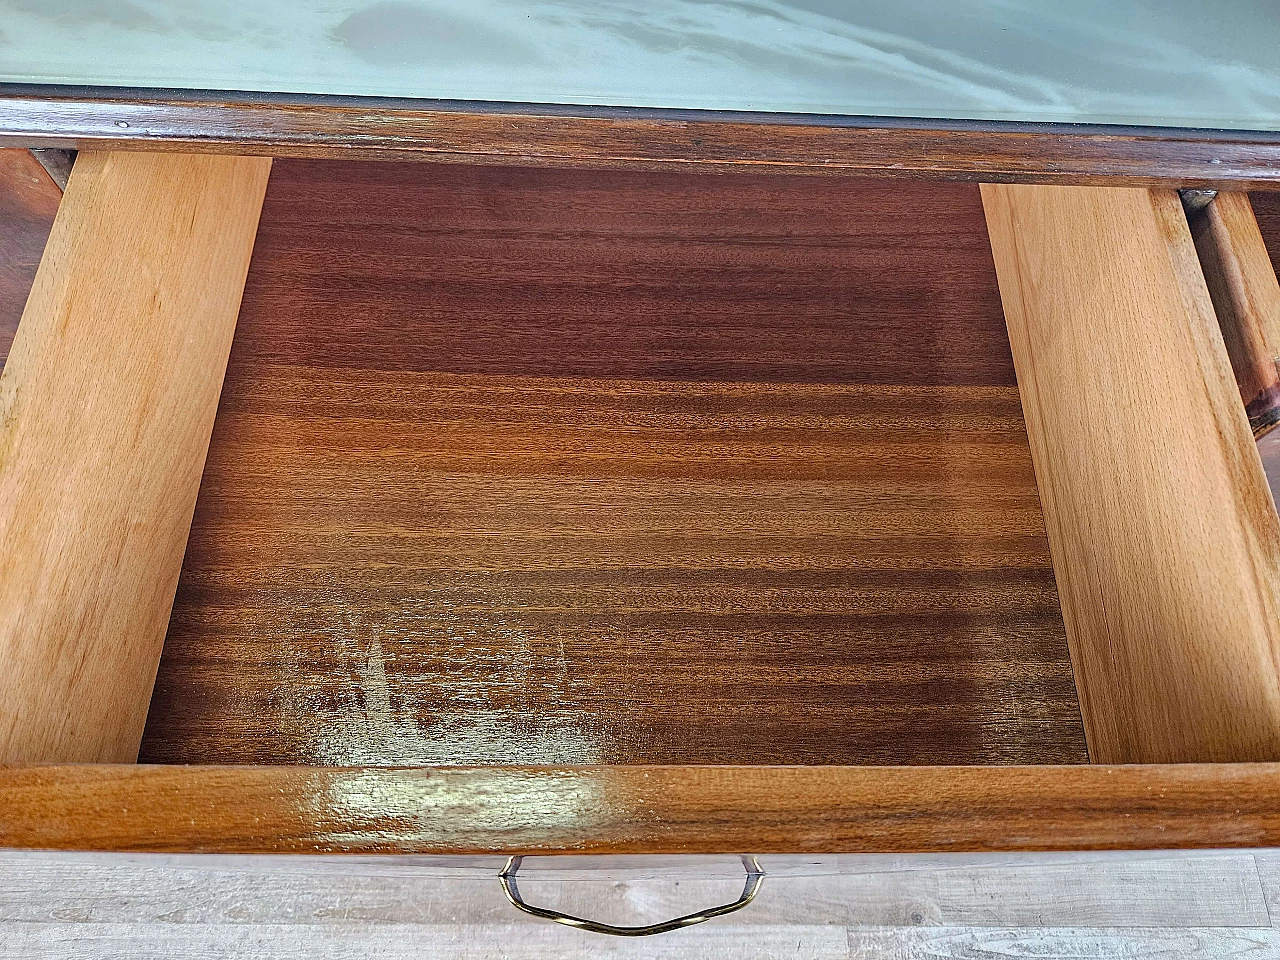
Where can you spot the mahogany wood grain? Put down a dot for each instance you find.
(1266, 208)
(638, 809)
(581, 136)
(106, 405)
(28, 202)
(1165, 541)
(1246, 298)
(520, 466)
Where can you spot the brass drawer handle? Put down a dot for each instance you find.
(754, 876)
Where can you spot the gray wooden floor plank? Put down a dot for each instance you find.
(154, 896)
(1191, 905)
(129, 941)
(1062, 943)
(1189, 892)
(1268, 863)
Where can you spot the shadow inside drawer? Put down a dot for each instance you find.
(558, 466)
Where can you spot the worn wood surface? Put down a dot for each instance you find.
(1165, 541)
(637, 809)
(804, 942)
(1136, 891)
(1246, 298)
(369, 128)
(571, 467)
(28, 202)
(965, 943)
(106, 401)
(1067, 907)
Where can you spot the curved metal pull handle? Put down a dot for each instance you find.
(754, 876)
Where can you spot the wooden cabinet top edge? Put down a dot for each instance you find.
(604, 137)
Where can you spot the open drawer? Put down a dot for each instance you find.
(630, 511)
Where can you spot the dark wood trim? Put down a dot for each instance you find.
(541, 134)
(638, 809)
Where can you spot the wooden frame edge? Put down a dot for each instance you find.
(638, 809)
(542, 134)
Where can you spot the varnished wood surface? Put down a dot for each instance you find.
(28, 202)
(547, 135)
(629, 809)
(573, 467)
(1246, 298)
(106, 405)
(1165, 541)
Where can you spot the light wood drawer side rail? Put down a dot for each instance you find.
(1246, 297)
(1165, 542)
(106, 407)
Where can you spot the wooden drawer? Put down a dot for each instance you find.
(602, 509)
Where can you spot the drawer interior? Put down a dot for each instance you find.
(564, 466)
(632, 510)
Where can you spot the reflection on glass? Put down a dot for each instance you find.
(1169, 62)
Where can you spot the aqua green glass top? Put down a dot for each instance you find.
(1183, 63)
